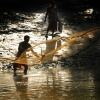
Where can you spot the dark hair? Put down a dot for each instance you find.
(52, 3)
(26, 38)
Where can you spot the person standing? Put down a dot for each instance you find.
(21, 59)
(53, 20)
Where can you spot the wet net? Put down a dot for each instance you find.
(30, 58)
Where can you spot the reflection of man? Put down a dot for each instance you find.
(21, 84)
(21, 59)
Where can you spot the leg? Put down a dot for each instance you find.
(52, 34)
(25, 69)
(46, 35)
(15, 65)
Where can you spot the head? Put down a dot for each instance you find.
(26, 38)
(52, 4)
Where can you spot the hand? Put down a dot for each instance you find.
(42, 57)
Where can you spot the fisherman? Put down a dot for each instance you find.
(21, 59)
(53, 20)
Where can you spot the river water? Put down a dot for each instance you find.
(50, 83)
(53, 82)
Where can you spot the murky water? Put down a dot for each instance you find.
(51, 83)
(45, 83)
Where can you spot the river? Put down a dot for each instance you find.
(53, 82)
(50, 83)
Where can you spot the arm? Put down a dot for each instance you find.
(46, 15)
(20, 50)
(34, 53)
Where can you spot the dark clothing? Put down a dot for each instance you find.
(22, 47)
(54, 23)
(52, 19)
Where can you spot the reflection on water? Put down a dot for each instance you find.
(51, 83)
(21, 87)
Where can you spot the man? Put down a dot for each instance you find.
(52, 18)
(21, 59)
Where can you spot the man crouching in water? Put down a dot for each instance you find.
(21, 59)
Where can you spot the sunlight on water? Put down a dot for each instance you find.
(33, 26)
(52, 83)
